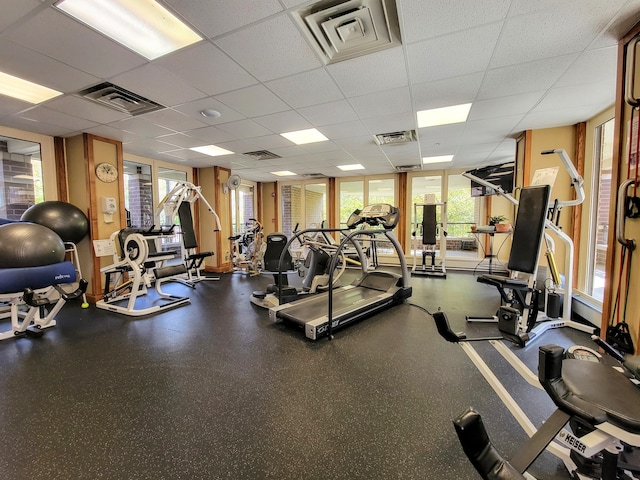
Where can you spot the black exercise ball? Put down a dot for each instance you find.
(24, 244)
(67, 220)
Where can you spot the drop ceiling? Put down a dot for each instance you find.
(523, 64)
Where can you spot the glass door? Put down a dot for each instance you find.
(302, 205)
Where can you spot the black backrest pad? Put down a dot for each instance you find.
(275, 245)
(186, 225)
(529, 228)
(429, 225)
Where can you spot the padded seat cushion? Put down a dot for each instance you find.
(598, 393)
(14, 280)
(502, 281)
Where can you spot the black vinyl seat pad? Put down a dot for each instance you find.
(597, 393)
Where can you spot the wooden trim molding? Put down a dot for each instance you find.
(61, 168)
(576, 224)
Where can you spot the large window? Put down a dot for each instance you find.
(599, 208)
(21, 183)
(303, 205)
(167, 180)
(242, 207)
(138, 194)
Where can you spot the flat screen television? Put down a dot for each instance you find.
(502, 175)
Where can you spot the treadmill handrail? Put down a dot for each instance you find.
(297, 235)
(349, 238)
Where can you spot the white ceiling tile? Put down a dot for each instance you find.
(85, 109)
(14, 11)
(140, 126)
(194, 108)
(165, 89)
(180, 140)
(237, 146)
(283, 122)
(592, 66)
(306, 88)
(371, 73)
(431, 18)
(329, 113)
(553, 35)
(207, 68)
(503, 106)
(36, 67)
(564, 97)
(472, 49)
(65, 39)
(45, 115)
(450, 91)
(344, 129)
(174, 120)
(216, 18)
(244, 129)
(524, 78)
(37, 127)
(270, 141)
(391, 123)
(396, 100)
(10, 105)
(211, 135)
(253, 101)
(270, 49)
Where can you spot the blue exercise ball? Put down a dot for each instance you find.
(24, 244)
(67, 220)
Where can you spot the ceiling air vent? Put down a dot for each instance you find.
(261, 155)
(115, 97)
(408, 168)
(339, 30)
(314, 175)
(395, 138)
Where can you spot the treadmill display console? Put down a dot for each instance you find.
(381, 214)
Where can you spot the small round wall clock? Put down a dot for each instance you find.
(106, 172)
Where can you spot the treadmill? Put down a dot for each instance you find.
(373, 292)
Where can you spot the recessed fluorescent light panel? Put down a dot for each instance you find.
(283, 173)
(301, 137)
(354, 166)
(443, 116)
(24, 90)
(144, 26)
(438, 159)
(211, 150)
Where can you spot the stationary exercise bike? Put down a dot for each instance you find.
(601, 406)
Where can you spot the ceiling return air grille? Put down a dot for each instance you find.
(408, 168)
(117, 98)
(340, 30)
(395, 138)
(261, 155)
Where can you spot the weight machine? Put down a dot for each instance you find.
(177, 203)
(429, 228)
(524, 327)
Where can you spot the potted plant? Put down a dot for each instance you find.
(500, 223)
